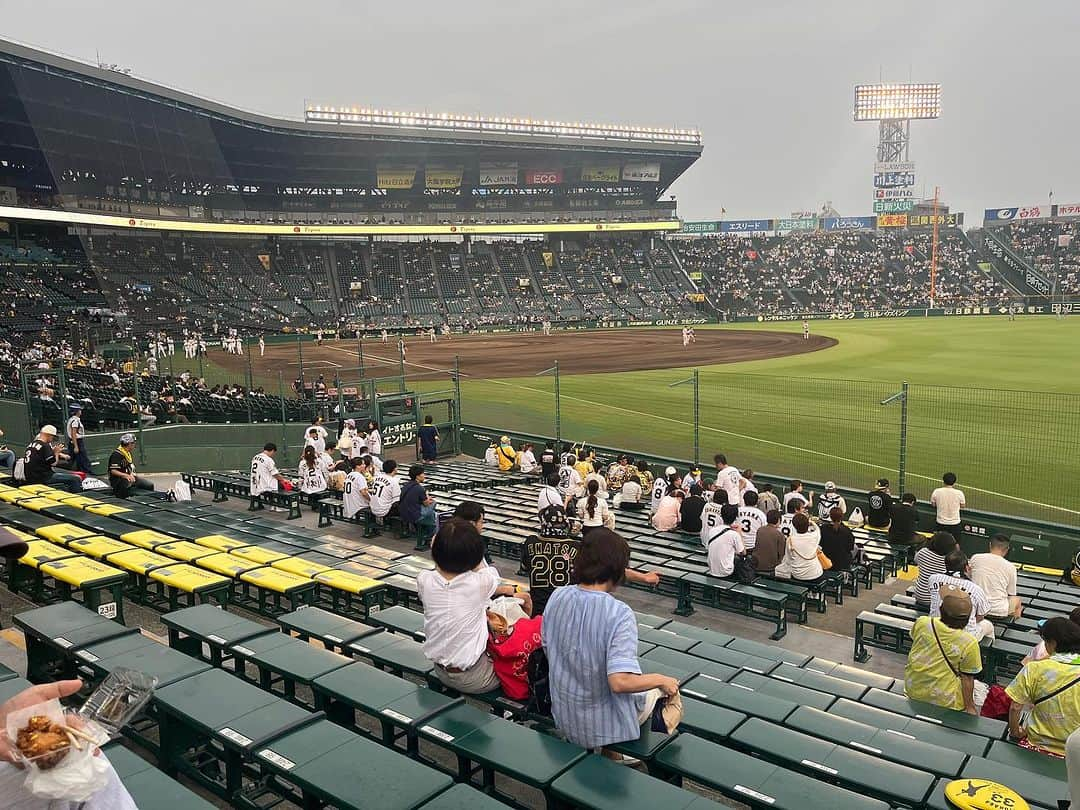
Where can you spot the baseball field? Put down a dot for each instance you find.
(996, 402)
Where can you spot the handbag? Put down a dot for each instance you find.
(667, 714)
(826, 563)
(745, 569)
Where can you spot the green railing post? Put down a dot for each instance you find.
(457, 420)
(138, 418)
(903, 439)
(558, 410)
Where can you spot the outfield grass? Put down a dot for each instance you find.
(997, 402)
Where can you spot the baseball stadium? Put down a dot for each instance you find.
(389, 460)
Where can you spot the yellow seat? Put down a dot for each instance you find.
(146, 538)
(225, 564)
(40, 489)
(97, 546)
(220, 542)
(274, 579)
(70, 499)
(183, 550)
(295, 565)
(36, 503)
(138, 560)
(5, 487)
(14, 495)
(41, 551)
(62, 532)
(78, 572)
(106, 509)
(257, 554)
(188, 578)
(346, 581)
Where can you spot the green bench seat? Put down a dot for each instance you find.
(207, 632)
(1036, 788)
(974, 744)
(688, 662)
(927, 712)
(398, 619)
(785, 690)
(148, 787)
(595, 783)
(331, 630)
(51, 632)
(770, 651)
(830, 684)
(295, 663)
(738, 698)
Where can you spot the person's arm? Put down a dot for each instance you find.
(622, 661)
(651, 578)
(628, 682)
(1016, 731)
(967, 689)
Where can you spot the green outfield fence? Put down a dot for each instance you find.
(1014, 452)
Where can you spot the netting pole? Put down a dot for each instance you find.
(62, 393)
(558, 409)
(697, 418)
(340, 397)
(250, 381)
(26, 400)
(138, 417)
(300, 356)
(360, 352)
(281, 398)
(457, 420)
(401, 363)
(903, 437)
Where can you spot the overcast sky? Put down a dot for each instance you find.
(770, 84)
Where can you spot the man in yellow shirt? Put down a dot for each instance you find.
(505, 454)
(1051, 687)
(944, 659)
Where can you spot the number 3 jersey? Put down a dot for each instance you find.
(550, 562)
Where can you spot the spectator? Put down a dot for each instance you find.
(312, 471)
(903, 520)
(356, 498)
(948, 500)
(879, 503)
(770, 544)
(1052, 688)
(801, 560)
(76, 436)
(7, 456)
(728, 478)
(1072, 768)
(505, 455)
(39, 463)
(416, 506)
(618, 472)
(598, 695)
(958, 576)
(992, 572)
(571, 485)
(727, 545)
(666, 516)
(630, 494)
(690, 513)
(547, 461)
(931, 560)
(550, 495)
(593, 510)
(830, 499)
(584, 465)
(751, 519)
(795, 492)
(838, 541)
(265, 476)
(526, 459)
(122, 475)
(455, 596)
(748, 483)
(767, 500)
(316, 434)
(491, 457)
(1038, 652)
(795, 506)
(385, 491)
(428, 439)
(944, 659)
(374, 438)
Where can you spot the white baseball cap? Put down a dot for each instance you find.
(829, 485)
(48, 429)
(670, 471)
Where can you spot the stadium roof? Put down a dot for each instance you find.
(63, 121)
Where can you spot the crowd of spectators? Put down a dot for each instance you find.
(1052, 247)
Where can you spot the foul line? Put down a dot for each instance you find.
(777, 444)
(393, 361)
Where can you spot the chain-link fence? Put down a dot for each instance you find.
(1014, 452)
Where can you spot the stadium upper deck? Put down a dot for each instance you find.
(82, 138)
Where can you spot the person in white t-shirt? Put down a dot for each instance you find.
(265, 475)
(997, 577)
(829, 499)
(795, 506)
(663, 486)
(550, 495)
(355, 498)
(312, 471)
(316, 434)
(347, 440)
(795, 491)
(570, 484)
(374, 439)
(729, 479)
(727, 545)
(948, 500)
(385, 490)
(750, 520)
(748, 484)
(957, 576)
(527, 459)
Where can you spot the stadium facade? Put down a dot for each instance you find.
(96, 142)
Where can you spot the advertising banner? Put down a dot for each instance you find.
(695, 298)
(796, 224)
(1069, 210)
(442, 178)
(893, 206)
(1017, 212)
(395, 178)
(600, 174)
(849, 223)
(641, 172)
(894, 179)
(695, 275)
(897, 166)
(746, 226)
(894, 194)
(544, 177)
(498, 174)
(264, 260)
(950, 220)
(892, 220)
(711, 226)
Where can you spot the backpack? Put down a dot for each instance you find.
(745, 569)
(539, 684)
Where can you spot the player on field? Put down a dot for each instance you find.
(806, 330)
(685, 337)
(262, 345)
(431, 334)
(384, 336)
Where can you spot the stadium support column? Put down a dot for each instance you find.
(893, 136)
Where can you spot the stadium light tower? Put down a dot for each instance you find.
(894, 106)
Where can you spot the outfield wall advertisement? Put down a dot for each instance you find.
(780, 225)
(1056, 308)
